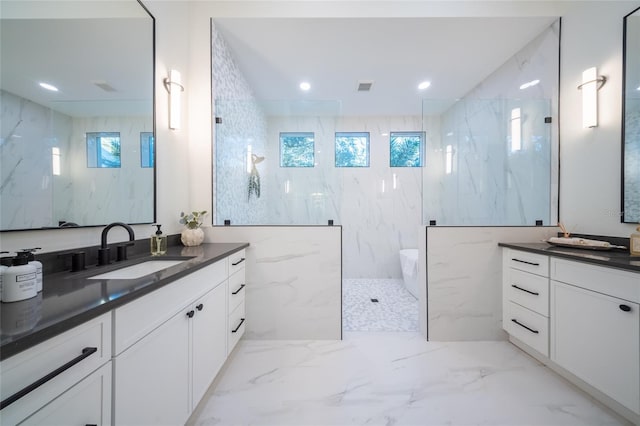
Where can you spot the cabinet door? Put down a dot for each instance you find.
(208, 339)
(151, 378)
(597, 338)
(86, 403)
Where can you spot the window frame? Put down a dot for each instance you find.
(422, 156)
(301, 134)
(367, 135)
(99, 162)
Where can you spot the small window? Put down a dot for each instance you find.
(297, 150)
(352, 149)
(146, 150)
(103, 150)
(406, 149)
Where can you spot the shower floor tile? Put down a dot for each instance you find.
(378, 305)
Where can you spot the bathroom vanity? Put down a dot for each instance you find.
(578, 312)
(123, 351)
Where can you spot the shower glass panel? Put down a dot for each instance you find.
(486, 162)
(254, 186)
(489, 162)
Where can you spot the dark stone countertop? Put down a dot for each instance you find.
(69, 299)
(614, 258)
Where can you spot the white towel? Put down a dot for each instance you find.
(579, 242)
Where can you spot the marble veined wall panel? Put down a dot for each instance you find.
(293, 278)
(378, 206)
(497, 156)
(464, 279)
(105, 195)
(28, 132)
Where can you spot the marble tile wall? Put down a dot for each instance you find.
(243, 125)
(32, 197)
(464, 280)
(293, 277)
(490, 181)
(378, 219)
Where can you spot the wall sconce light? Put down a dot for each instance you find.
(591, 83)
(174, 86)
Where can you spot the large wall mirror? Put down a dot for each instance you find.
(77, 114)
(631, 120)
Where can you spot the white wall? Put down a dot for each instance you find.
(591, 158)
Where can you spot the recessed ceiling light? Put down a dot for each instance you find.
(49, 87)
(424, 85)
(529, 84)
(638, 88)
(305, 86)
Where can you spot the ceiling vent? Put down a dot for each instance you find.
(365, 85)
(104, 85)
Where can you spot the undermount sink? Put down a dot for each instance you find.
(138, 270)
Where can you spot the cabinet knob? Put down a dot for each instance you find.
(625, 308)
(190, 314)
(199, 307)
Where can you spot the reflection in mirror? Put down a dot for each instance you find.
(76, 89)
(631, 120)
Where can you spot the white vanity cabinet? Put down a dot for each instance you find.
(79, 390)
(595, 330)
(525, 307)
(580, 319)
(161, 377)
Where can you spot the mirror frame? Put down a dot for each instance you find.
(153, 126)
(624, 218)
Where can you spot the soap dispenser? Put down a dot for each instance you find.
(158, 243)
(32, 261)
(634, 243)
(19, 280)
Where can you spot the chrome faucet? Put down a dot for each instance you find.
(104, 255)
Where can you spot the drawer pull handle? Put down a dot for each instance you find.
(524, 261)
(239, 325)
(238, 290)
(525, 290)
(199, 307)
(524, 326)
(86, 352)
(191, 313)
(238, 262)
(625, 308)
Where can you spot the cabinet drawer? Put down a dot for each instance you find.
(135, 320)
(529, 262)
(237, 261)
(237, 325)
(528, 290)
(87, 345)
(87, 403)
(237, 289)
(611, 281)
(529, 327)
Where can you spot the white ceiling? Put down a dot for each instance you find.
(74, 54)
(455, 54)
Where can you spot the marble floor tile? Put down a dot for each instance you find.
(394, 378)
(395, 310)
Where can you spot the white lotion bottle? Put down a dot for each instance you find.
(2, 269)
(19, 280)
(32, 261)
